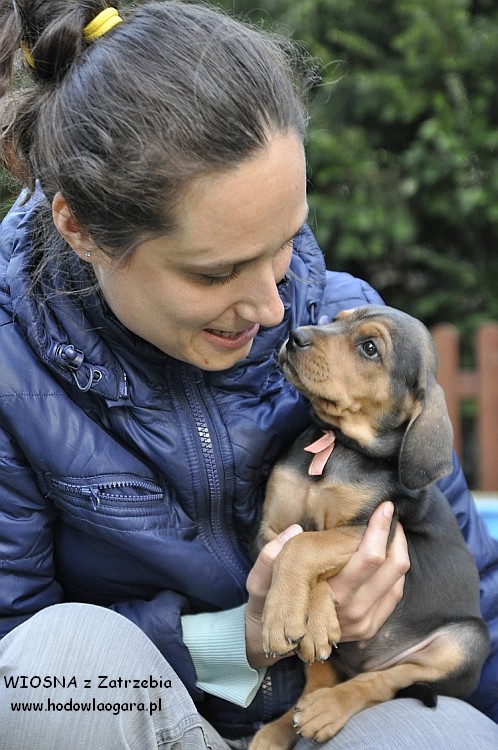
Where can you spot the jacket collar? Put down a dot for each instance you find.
(79, 338)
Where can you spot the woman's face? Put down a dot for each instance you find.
(201, 294)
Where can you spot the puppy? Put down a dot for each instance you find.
(381, 432)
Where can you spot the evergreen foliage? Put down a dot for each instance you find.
(403, 146)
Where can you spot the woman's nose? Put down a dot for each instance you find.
(261, 302)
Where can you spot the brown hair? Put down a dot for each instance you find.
(121, 125)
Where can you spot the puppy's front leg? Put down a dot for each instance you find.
(304, 560)
(281, 734)
(322, 627)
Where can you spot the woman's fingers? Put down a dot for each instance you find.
(371, 553)
(370, 586)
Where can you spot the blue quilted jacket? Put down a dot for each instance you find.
(133, 481)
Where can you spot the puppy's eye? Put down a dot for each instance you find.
(369, 348)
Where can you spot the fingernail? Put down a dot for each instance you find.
(290, 532)
(388, 509)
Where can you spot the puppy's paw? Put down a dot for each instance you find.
(314, 647)
(318, 716)
(279, 637)
(278, 735)
(283, 626)
(323, 631)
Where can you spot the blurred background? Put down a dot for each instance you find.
(402, 153)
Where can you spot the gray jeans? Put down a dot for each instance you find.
(51, 697)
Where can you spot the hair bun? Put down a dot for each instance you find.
(54, 34)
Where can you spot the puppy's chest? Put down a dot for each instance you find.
(346, 493)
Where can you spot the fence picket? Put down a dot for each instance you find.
(481, 385)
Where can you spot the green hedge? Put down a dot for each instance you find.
(402, 146)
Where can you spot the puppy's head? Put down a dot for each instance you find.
(371, 373)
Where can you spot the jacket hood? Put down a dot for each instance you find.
(79, 338)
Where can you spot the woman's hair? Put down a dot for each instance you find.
(121, 125)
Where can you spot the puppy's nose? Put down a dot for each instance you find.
(298, 339)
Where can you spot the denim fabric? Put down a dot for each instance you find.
(110, 699)
(85, 677)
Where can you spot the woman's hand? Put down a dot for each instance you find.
(369, 587)
(258, 585)
(366, 591)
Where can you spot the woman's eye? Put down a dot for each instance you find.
(235, 273)
(369, 348)
(219, 280)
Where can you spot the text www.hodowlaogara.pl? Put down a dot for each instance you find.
(150, 707)
(103, 703)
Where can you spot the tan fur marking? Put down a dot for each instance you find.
(331, 505)
(286, 497)
(291, 497)
(320, 555)
(322, 713)
(346, 389)
(281, 734)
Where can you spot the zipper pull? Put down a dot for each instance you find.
(95, 498)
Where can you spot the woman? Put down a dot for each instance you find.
(161, 260)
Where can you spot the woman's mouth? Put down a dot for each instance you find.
(231, 339)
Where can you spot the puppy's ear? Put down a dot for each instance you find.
(426, 450)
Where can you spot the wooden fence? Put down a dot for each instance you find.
(479, 384)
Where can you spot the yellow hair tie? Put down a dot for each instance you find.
(27, 55)
(106, 20)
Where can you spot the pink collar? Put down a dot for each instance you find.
(322, 448)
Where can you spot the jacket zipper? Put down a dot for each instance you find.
(96, 492)
(203, 424)
(202, 418)
(267, 693)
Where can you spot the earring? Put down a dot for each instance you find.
(88, 253)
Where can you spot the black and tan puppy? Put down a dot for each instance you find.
(370, 376)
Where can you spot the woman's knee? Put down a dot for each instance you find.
(99, 673)
(74, 634)
(406, 724)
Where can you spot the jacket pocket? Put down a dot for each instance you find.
(123, 502)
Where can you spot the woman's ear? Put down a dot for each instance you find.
(70, 229)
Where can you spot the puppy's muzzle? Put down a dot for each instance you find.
(298, 340)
